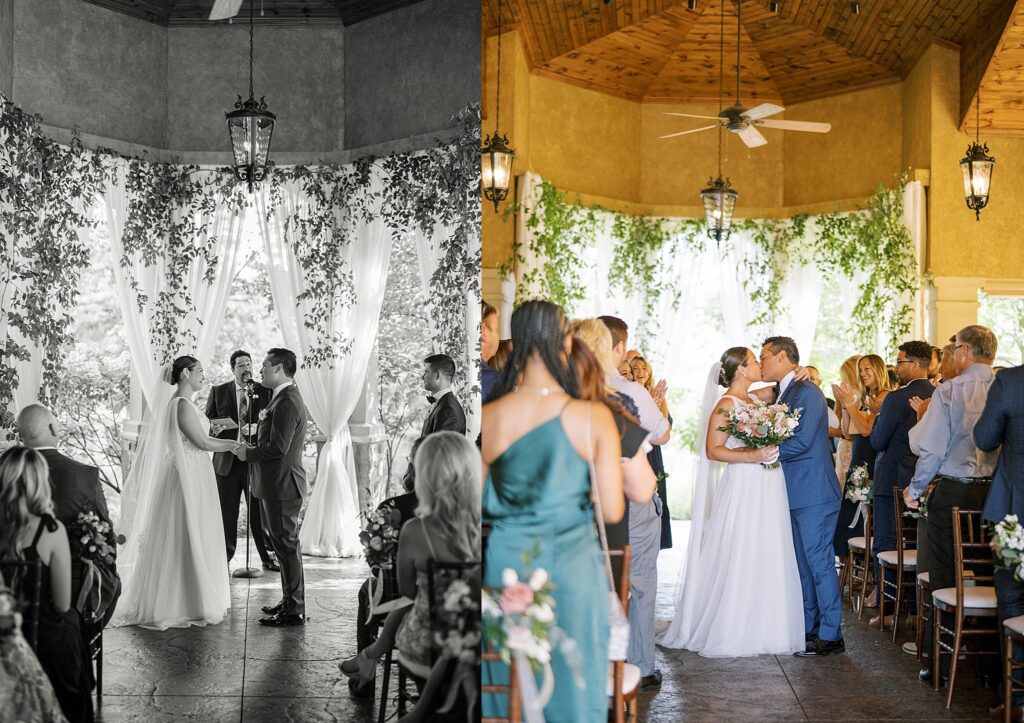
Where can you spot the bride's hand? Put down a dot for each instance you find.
(765, 454)
(801, 374)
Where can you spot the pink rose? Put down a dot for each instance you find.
(516, 598)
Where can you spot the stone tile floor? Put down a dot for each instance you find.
(240, 670)
(874, 680)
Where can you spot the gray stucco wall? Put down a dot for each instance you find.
(407, 72)
(298, 69)
(6, 46)
(76, 64)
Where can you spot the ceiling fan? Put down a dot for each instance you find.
(742, 121)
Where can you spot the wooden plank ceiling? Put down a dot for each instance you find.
(661, 51)
(274, 12)
(1002, 85)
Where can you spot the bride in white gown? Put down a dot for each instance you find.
(173, 566)
(739, 590)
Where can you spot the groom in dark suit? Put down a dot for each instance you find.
(233, 400)
(814, 497)
(446, 414)
(279, 481)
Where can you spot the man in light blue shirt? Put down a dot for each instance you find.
(962, 473)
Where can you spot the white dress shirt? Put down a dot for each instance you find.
(278, 388)
(786, 381)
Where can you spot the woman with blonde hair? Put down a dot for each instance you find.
(860, 405)
(29, 531)
(644, 374)
(847, 377)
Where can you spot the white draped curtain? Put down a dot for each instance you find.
(209, 298)
(331, 524)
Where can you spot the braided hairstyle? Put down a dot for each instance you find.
(538, 326)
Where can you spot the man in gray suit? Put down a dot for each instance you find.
(279, 481)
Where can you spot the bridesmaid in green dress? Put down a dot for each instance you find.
(538, 494)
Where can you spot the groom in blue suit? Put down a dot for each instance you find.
(814, 497)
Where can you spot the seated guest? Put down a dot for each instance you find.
(403, 508)
(29, 531)
(25, 691)
(446, 414)
(489, 340)
(74, 488)
(962, 473)
(500, 358)
(446, 529)
(1001, 427)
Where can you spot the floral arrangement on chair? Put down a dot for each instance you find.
(380, 548)
(858, 490)
(94, 544)
(457, 634)
(761, 425)
(1008, 545)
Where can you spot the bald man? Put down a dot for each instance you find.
(75, 487)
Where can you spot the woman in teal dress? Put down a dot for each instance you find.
(538, 496)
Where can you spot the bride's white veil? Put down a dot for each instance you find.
(708, 475)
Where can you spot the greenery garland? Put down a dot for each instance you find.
(46, 191)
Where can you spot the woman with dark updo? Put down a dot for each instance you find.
(173, 566)
(739, 591)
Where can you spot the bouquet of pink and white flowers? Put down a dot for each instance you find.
(380, 540)
(858, 485)
(1008, 545)
(761, 425)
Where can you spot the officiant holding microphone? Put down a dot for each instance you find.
(239, 400)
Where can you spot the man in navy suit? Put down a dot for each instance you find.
(894, 465)
(1001, 426)
(814, 497)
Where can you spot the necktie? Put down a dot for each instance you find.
(243, 411)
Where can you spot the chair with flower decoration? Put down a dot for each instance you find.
(858, 564)
(624, 678)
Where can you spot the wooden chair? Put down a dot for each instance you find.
(964, 601)
(858, 564)
(1013, 632)
(510, 689)
(14, 571)
(439, 575)
(624, 678)
(924, 610)
(903, 563)
(94, 638)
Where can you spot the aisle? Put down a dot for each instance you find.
(240, 670)
(874, 680)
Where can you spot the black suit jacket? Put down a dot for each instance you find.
(75, 488)
(445, 415)
(1002, 423)
(223, 402)
(894, 466)
(279, 474)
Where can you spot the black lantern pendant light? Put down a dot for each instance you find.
(977, 165)
(719, 197)
(495, 154)
(250, 126)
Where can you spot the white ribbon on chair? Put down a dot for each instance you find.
(533, 700)
(861, 513)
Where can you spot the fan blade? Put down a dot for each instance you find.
(762, 111)
(224, 9)
(695, 130)
(752, 137)
(690, 115)
(788, 125)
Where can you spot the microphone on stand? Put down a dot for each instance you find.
(247, 571)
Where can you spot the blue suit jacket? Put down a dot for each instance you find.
(1002, 423)
(807, 455)
(894, 466)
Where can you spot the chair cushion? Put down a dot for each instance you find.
(630, 678)
(857, 543)
(978, 597)
(924, 578)
(1016, 625)
(891, 557)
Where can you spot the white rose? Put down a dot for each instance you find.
(539, 578)
(509, 577)
(541, 613)
(520, 638)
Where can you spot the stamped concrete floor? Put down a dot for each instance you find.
(874, 680)
(240, 670)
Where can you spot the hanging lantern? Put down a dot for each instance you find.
(250, 127)
(719, 201)
(977, 168)
(495, 155)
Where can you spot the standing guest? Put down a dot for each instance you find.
(848, 377)
(538, 439)
(947, 366)
(644, 519)
(962, 472)
(835, 431)
(859, 409)
(1001, 427)
(74, 489)
(500, 358)
(933, 366)
(446, 414)
(894, 465)
(29, 531)
(626, 371)
(231, 400)
(489, 339)
(644, 375)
